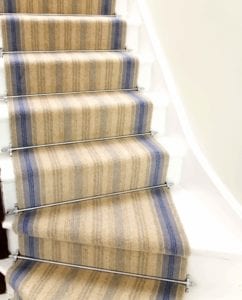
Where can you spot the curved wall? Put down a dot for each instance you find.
(203, 45)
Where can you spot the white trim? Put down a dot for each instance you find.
(177, 101)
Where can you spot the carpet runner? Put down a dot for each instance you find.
(88, 129)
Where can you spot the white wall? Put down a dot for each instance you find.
(202, 40)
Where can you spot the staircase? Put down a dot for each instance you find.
(124, 239)
(94, 217)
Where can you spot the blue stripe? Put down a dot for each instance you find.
(167, 223)
(168, 226)
(18, 75)
(10, 6)
(157, 160)
(23, 123)
(33, 246)
(165, 266)
(116, 33)
(128, 71)
(142, 109)
(14, 42)
(31, 182)
(27, 223)
(165, 291)
(106, 7)
(20, 273)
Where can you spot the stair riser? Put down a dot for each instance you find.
(40, 33)
(74, 118)
(149, 264)
(69, 72)
(95, 7)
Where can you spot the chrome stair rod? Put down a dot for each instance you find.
(11, 149)
(16, 210)
(60, 15)
(65, 51)
(6, 97)
(187, 282)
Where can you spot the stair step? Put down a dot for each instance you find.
(48, 73)
(92, 7)
(56, 174)
(42, 33)
(133, 233)
(9, 179)
(68, 118)
(56, 282)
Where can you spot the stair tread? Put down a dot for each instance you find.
(42, 33)
(46, 73)
(60, 173)
(67, 118)
(141, 221)
(43, 281)
(93, 7)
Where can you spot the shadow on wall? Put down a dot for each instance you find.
(2, 284)
(3, 241)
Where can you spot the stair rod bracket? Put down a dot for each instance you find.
(4, 99)
(13, 211)
(141, 89)
(8, 149)
(169, 185)
(187, 283)
(14, 256)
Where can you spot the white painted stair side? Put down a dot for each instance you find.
(209, 215)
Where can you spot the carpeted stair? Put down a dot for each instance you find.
(77, 117)
(83, 135)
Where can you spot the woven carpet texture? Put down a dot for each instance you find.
(84, 134)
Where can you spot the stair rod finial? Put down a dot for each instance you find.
(14, 255)
(4, 99)
(7, 149)
(169, 184)
(13, 211)
(189, 283)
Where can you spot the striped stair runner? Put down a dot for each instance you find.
(82, 135)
